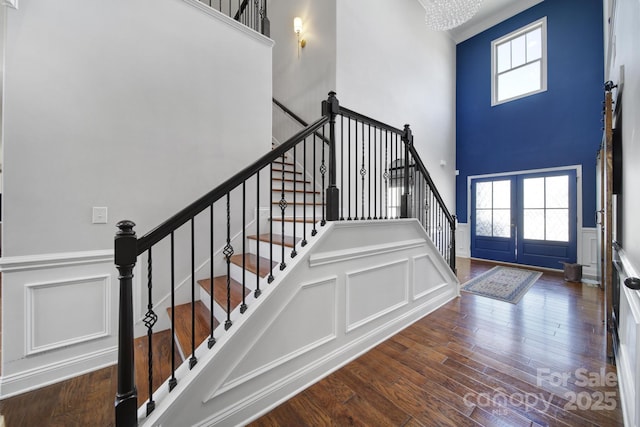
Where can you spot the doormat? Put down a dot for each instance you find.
(503, 283)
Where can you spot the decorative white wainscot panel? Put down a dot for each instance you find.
(384, 287)
(62, 313)
(426, 276)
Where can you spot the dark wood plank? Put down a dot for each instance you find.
(183, 325)
(220, 291)
(277, 238)
(251, 264)
(161, 367)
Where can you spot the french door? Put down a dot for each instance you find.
(525, 219)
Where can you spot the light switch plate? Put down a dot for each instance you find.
(99, 215)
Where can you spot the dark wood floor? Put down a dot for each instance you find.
(476, 361)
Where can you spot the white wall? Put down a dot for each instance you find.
(391, 67)
(622, 51)
(303, 83)
(141, 107)
(625, 53)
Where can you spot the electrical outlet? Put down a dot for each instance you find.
(99, 215)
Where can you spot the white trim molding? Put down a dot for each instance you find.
(32, 379)
(38, 318)
(64, 259)
(207, 10)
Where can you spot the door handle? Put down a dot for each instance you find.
(601, 212)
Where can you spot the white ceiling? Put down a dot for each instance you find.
(491, 13)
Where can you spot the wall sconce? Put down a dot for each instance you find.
(297, 27)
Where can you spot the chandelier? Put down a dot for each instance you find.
(444, 15)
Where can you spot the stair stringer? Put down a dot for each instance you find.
(355, 285)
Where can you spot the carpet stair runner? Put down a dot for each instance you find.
(241, 265)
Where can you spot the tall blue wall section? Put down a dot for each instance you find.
(559, 127)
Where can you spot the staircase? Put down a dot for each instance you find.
(358, 281)
(247, 268)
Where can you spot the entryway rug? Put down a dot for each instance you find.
(503, 283)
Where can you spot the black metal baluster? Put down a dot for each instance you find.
(375, 173)
(323, 171)
(304, 194)
(452, 260)
(363, 174)
(283, 206)
(392, 170)
(369, 169)
(243, 307)
(257, 292)
(295, 182)
(397, 169)
(381, 177)
(173, 381)
(355, 173)
(342, 168)
(193, 360)
(428, 211)
(386, 176)
(349, 168)
(212, 339)
(270, 278)
(315, 150)
(150, 319)
(228, 253)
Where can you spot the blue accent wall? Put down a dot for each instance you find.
(559, 127)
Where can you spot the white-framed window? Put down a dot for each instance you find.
(519, 63)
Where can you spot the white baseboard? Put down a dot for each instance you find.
(45, 375)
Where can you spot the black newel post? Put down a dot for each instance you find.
(330, 108)
(125, 259)
(266, 24)
(407, 138)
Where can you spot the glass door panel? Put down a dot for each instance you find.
(547, 219)
(492, 219)
(528, 218)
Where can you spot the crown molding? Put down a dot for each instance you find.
(484, 22)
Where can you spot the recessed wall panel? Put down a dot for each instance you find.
(66, 312)
(375, 291)
(426, 276)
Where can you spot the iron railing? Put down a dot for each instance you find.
(380, 176)
(252, 13)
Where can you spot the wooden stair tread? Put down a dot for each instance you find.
(277, 239)
(161, 346)
(220, 291)
(310, 203)
(297, 181)
(251, 263)
(294, 219)
(286, 171)
(296, 191)
(183, 325)
(280, 162)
